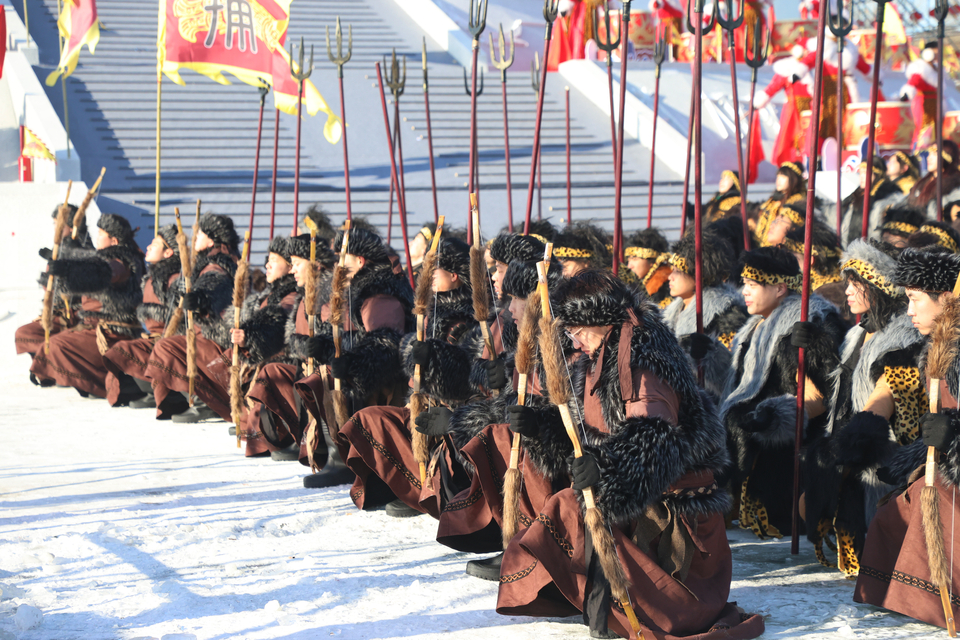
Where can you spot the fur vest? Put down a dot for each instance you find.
(723, 314)
(924, 192)
(216, 287)
(158, 280)
(264, 318)
(884, 194)
(91, 276)
(446, 377)
(640, 457)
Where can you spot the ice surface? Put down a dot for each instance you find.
(119, 527)
(27, 617)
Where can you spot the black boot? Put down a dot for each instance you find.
(334, 472)
(43, 383)
(148, 401)
(197, 413)
(486, 569)
(399, 509)
(287, 453)
(131, 391)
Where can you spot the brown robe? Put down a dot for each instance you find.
(543, 571)
(29, 338)
(894, 569)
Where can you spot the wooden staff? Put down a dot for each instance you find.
(239, 295)
(46, 314)
(310, 289)
(944, 338)
(419, 400)
(336, 321)
(805, 290)
(82, 211)
(559, 391)
(176, 318)
(524, 363)
(478, 280)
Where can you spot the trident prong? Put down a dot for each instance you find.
(478, 19)
(304, 73)
(505, 62)
(395, 79)
(423, 62)
(609, 46)
(340, 59)
(729, 23)
(551, 9)
(839, 26)
(760, 50)
(941, 10)
(466, 83)
(659, 51)
(698, 9)
(535, 72)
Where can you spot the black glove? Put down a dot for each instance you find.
(434, 422)
(56, 268)
(803, 334)
(420, 351)
(46, 254)
(340, 367)
(523, 420)
(885, 475)
(496, 373)
(938, 429)
(863, 442)
(195, 301)
(585, 471)
(700, 346)
(759, 420)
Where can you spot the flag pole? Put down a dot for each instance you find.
(156, 195)
(273, 182)
(63, 76)
(26, 21)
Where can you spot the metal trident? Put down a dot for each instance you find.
(729, 23)
(698, 9)
(840, 28)
(304, 73)
(340, 59)
(466, 83)
(504, 62)
(478, 19)
(535, 72)
(395, 79)
(608, 46)
(551, 9)
(941, 10)
(759, 50)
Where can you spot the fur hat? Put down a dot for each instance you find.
(824, 242)
(453, 255)
(909, 161)
(771, 265)
(71, 212)
(730, 229)
(360, 222)
(930, 269)
(902, 220)
(592, 298)
(647, 244)
(935, 233)
(521, 278)
(508, 247)
(168, 233)
(543, 230)
(220, 229)
(427, 232)
(280, 245)
(325, 229)
(299, 246)
(364, 244)
(718, 257)
(117, 227)
(865, 259)
(583, 241)
(949, 155)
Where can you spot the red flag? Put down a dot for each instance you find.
(79, 26)
(245, 38)
(755, 147)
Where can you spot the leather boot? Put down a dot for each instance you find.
(334, 472)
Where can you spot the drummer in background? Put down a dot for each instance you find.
(921, 92)
(903, 170)
(924, 193)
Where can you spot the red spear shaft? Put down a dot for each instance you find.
(874, 94)
(569, 206)
(273, 182)
(618, 180)
(659, 49)
(256, 162)
(426, 107)
(698, 168)
(805, 295)
(694, 90)
(401, 206)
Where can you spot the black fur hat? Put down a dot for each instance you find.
(325, 229)
(731, 229)
(71, 211)
(825, 244)
(117, 227)
(718, 257)
(592, 298)
(508, 247)
(220, 229)
(651, 239)
(521, 278)
(583, 241)
(364, 244)
(771, 265)
(453, 255)
(931, 269)
(280, 245)
(902, 220)
(543, 229)
(933, 233)
(360, 222)
(168, 233)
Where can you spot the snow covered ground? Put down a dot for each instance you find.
(116, 526)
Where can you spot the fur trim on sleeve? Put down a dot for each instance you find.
(264, 333)
(782, 429)
(868, 435)
(551, 448)
(447, 376)
(374, 364)
(905, 461)
(87, 275)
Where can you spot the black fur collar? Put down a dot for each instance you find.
(379, 279)
(130, 256)
(211, 256)
(280, 289)
(160, 273)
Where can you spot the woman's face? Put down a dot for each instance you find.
(894, 168)
(857, 297)
(681, 285)
(782, 183)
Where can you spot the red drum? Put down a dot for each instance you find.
(894, 125)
